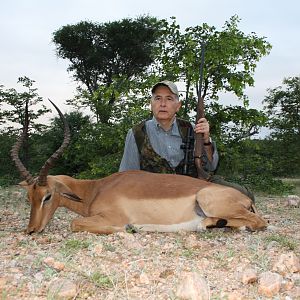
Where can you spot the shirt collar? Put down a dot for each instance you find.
(173, 130)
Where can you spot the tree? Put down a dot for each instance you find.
(94, 150)
(230, 57)
(283, 108)
(107, 59)
(231, 124)
(8, 171)
(230, 61)
(282, 105)
(17, 109)
(76, 156)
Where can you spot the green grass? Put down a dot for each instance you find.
(296, 184)
(73, 246)
(188, 253)
(101, 280)
(210, 234)
(223, 257)
(282, 240)
(109, 247)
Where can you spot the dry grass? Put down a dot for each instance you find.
(140, 266)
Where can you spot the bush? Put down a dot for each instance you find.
(263, 183)
(248, 163)
(7, 180)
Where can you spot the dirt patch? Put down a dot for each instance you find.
(143, 265)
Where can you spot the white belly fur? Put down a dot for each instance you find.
(193, 225)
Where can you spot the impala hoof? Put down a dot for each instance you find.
(221, 223)
(129, 228)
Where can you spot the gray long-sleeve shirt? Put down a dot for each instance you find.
(165, 143)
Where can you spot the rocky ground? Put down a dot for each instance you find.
(216, 264)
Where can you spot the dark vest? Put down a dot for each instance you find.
(152, 162)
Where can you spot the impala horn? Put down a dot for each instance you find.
(15, 156)
(42, 179)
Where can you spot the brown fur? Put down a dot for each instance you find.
(152, 202)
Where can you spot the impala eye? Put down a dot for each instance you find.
(46, 198)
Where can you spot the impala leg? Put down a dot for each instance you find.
(249, 219)
(95, 224)
(214, 222)
(253, 222)
(227, 205)
(192, 225)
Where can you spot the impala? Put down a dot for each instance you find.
(135, 200)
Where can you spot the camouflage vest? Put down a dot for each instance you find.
(152, 162)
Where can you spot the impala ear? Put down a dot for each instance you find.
(71, 196)
(23, 184)
(63, 190)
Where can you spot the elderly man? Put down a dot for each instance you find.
(155, 145)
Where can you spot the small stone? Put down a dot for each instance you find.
(272, 244)
(249, 276)
(58, 265)
(98, 249)
(295, 293)
(144, 279)
(293, 201)
(49, 261)
(287, 263)
(62, 289)
(193, 287)
(3, 281)
(269, 284)
(39, 276)
(17, 194)
(166, 273)
(272, 228)
(130, 242)
(287, 285)
(235, 296)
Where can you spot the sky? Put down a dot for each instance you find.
(27, 26)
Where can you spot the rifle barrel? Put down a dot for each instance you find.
(199, 139)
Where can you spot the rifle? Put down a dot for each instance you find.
(199, 156)
(188, 147)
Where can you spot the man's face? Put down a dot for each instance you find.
(164, 104)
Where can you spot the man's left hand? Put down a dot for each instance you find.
(203, 127)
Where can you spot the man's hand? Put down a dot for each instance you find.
(203, 127)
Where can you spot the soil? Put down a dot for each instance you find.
(142, 265)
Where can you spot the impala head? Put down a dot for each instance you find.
(44, 191)
(44, 201)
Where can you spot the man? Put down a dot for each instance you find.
(155, 145)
